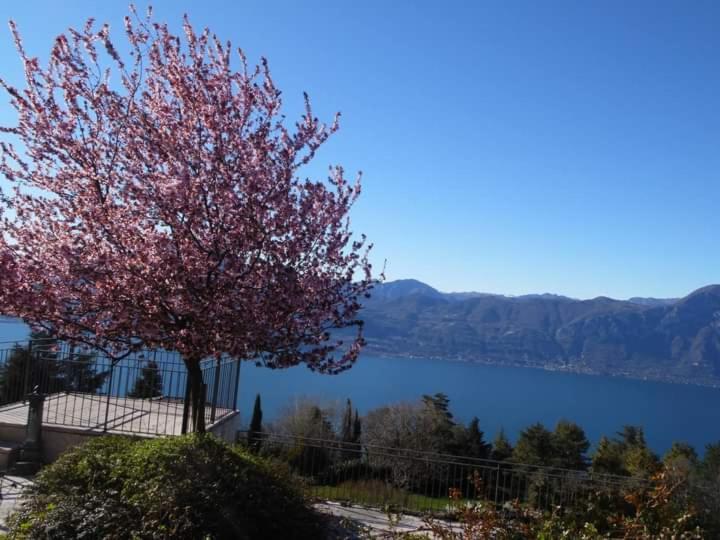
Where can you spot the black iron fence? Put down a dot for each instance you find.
(417, 481)
(144, 393)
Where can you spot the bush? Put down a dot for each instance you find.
(193, 486)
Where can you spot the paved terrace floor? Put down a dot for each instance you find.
(112, 415)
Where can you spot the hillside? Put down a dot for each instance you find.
(663, 339)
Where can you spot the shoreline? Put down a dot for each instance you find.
(556, 369)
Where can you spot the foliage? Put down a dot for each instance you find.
(306, 418)
(149, 383)
(38, 361)
(710, 466)
(501, 447)
(180, 487)
(307, 423)
(254, 436)
(644, 512)
(569, 445)
(350, 432)
(534, 446)
(357, 427)
(162, 193)
(428, 426)
(564, 447)
(483, 521)
(531, 495)
(627, 455)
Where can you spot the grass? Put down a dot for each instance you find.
(378, 493)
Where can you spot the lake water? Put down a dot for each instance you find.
(506, 397)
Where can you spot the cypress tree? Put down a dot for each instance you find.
(357, 427)
(347, 424)
(255, 431)
(348, 434)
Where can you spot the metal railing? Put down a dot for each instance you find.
(416, 481)
(143, 393)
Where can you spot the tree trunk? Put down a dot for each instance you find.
(197, 395)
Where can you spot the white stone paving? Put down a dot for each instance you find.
(124, 415)
(374, 523)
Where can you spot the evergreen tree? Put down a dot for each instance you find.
(710, 466)
(534, 446)
(437, 422)
(608, 457)
(255, 430)
(632, 436)
(569, 446)
(477, 447)
(440, 404)
(680, 453)
(501, 447)
(357, 428)
(641, 461)
(149, 383)
(626, 455)
(469, 442)
(346, 435)
(321, 426)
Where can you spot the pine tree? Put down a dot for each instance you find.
(476, 446)
(608, 457)
(534, 446)
(569, 446)
(626, 455)
(438, 423)
(255, 430)
(501, 447)
(149, 384)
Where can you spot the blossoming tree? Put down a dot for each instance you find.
(156, 201)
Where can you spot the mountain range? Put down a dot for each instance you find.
(673, 339)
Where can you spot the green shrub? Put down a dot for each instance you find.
(180, 487)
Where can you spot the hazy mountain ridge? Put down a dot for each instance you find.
(664, 339)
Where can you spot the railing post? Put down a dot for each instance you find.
(201, 412)
(26, 382)
(237, 384)
(216, 386)
(186, 407)
(497, 483)
(107, 401)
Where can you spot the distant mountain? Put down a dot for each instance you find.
(663, 339)
(652, 301)
(404, 287)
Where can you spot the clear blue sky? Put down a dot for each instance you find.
(513, 147)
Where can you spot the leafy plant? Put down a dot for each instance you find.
(193, 486)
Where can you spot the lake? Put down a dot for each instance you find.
(506, 397)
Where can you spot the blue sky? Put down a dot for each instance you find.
(513, 147)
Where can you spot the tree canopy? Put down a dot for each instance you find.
(157, 201)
